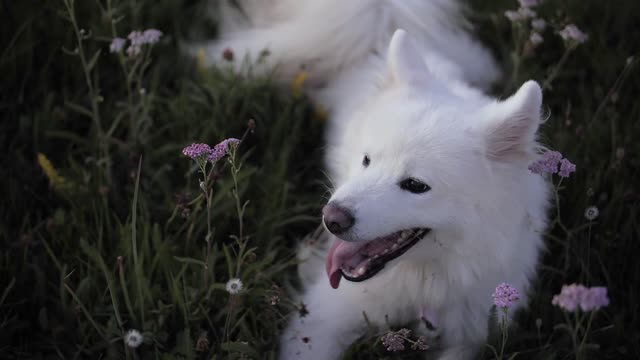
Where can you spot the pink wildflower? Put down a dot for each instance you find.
(513, 15)
(566, 168)
(594, 299)
(151, 36)
(217, 153)
(196, 151)
(575, 295)
(571, 32)
(526, 13)
(230, 142)
(222, 149)
(547, 164)
(538, 24)
(116, 45)
(139, 38)
(420, 344)
(394, 341)
(505, 295)
(133, 50)
(528, 3)
(535, 38)
(136, 38)
(569, 297)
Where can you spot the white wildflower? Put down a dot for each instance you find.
(591, 213)
(234, 286)
(133, 338)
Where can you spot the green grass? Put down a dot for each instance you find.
(65, 294)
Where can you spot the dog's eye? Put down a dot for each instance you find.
(414, 186)
(366, 161)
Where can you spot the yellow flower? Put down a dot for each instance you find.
(56, 180)
(298, 82)
(201, 61)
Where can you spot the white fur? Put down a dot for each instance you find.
(331, 38)
(409, 105)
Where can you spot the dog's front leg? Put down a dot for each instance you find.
(324, 328)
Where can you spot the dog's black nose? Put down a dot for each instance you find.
(337, 219)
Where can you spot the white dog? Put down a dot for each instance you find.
(433, 203)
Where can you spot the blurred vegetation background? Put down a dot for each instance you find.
(71, 284)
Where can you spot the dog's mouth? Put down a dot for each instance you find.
(359, 261)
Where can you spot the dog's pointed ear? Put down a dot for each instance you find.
(513, 123)
(405, 62)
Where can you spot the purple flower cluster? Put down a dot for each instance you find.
(587, 299)
(566, 168)
(572, 33)
(137, 40)
(221, 149)
(394, 341)
(528, 3)
(552, 162)
(520, 14)
(117, 44)
(196, 151)
(538, 24)
(536, 39)
(505, 295)
(200, 151)
(524, 12)
(420, 344)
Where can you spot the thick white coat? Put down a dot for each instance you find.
(416, 109)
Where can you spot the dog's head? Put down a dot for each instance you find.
(425, 157)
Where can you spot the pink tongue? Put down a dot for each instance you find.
(339, 253)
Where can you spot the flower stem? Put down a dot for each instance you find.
(102, 147)
(584, 337)
(207, 191)
(556, 69)
(505, 333)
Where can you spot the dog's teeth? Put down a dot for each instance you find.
(361, 270)
(385, 251)
(394, 246)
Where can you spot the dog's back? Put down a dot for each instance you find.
(327, 38)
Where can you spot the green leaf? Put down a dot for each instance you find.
(78, 108)
(239, 347)
(94, 60)
(188, 260)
